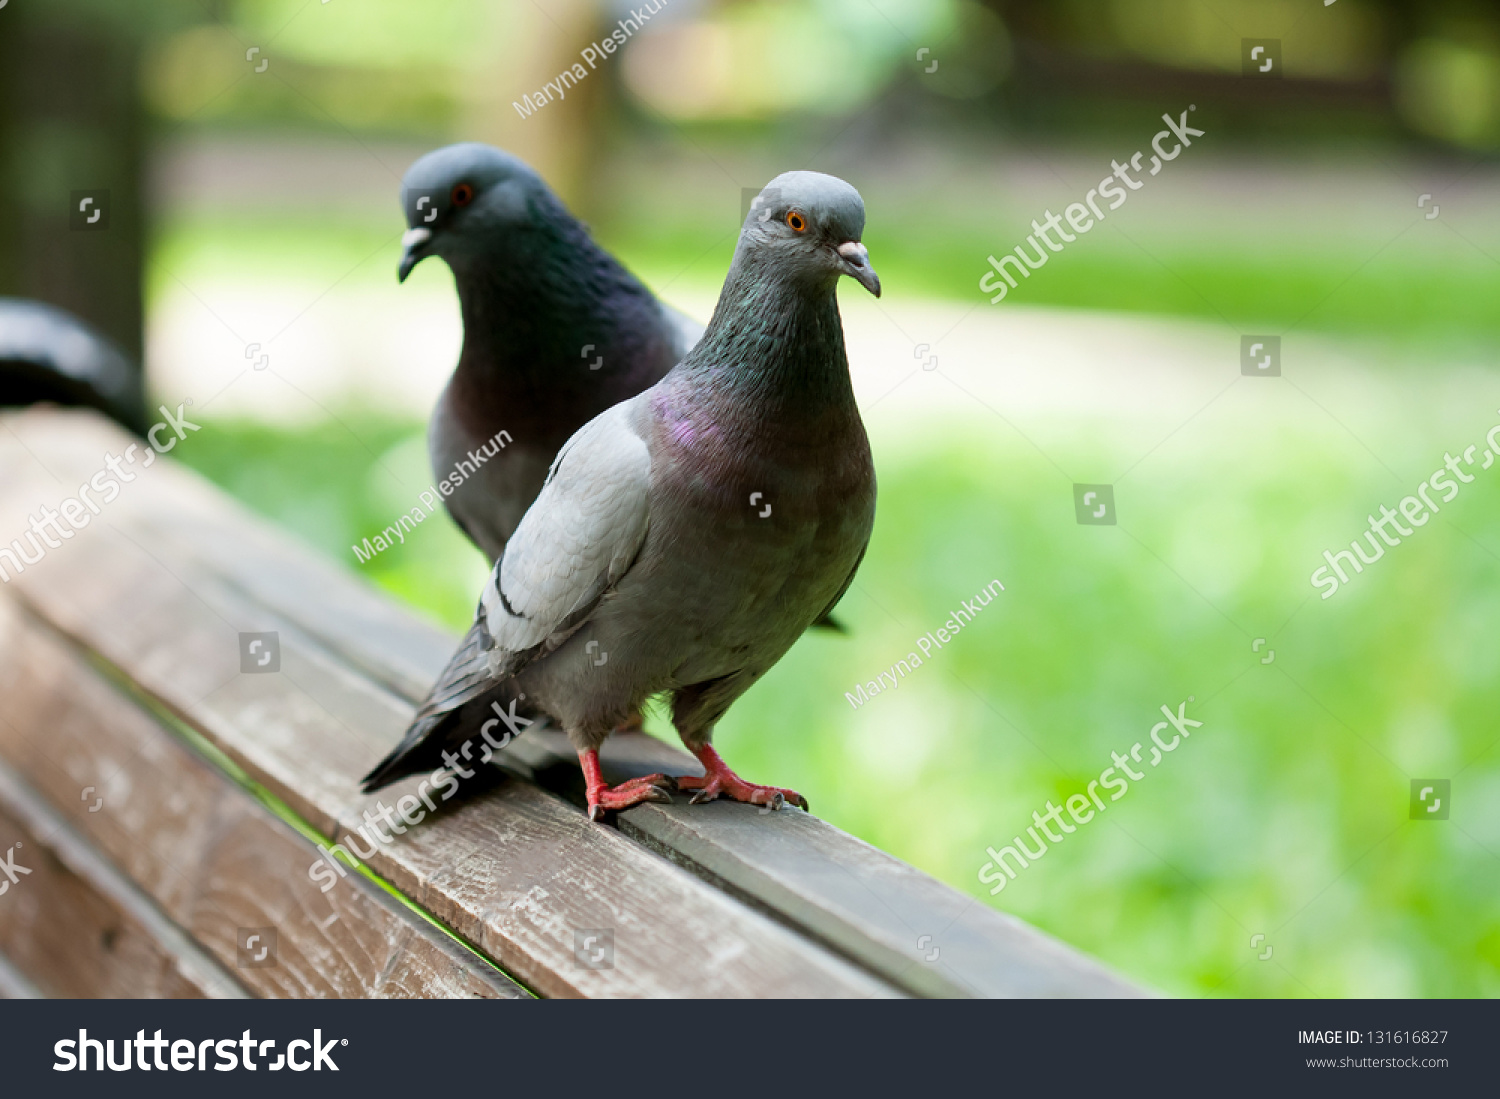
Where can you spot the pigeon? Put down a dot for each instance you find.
(48, 354)
(556, 330)
(685, 538)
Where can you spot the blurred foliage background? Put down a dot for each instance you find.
(262, 208)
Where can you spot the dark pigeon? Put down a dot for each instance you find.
(556, 330)
(644, 545)
(48, 354)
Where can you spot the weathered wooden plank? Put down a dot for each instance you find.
(895, 919)
(15, 985)
(868, 905)
(519, 873)
(74, 926)
(890, 916)
(218, 862)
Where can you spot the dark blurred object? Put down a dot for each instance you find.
(47, 354)
(71, 162)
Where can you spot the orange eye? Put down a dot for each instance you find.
(462, 195)
(796, 220)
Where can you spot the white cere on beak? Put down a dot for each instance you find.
(855, 252)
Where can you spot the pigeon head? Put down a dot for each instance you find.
(809, 225)
(469, 201)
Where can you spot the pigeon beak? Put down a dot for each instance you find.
(856, 259)
(411, 251)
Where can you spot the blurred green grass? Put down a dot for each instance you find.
(1284, 815)
(1439, 296)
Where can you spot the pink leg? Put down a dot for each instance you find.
(719, 779)
(627, 794)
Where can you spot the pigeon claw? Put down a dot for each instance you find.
(628, 794)
(720, 781)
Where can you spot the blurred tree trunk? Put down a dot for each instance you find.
(71, 121)
(530, 44)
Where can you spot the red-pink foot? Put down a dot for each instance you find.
(625, 795)
(720, 780)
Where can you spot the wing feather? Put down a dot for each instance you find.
(575, 543)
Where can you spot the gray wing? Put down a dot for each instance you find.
(575, 543)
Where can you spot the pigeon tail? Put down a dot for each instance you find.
(463, 693)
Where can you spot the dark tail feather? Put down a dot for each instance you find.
(47, 354)
(826, 621)
(420, 752)
(466, 679)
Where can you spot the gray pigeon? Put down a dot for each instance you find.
(555, 330)
(685, 538)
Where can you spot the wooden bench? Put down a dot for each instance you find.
(170, 807)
